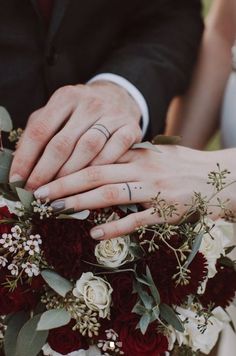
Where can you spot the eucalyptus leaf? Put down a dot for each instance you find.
(146, 145)
(14, 324)
(59, 284)
(229, 249)
(144, 322)
(166, 140)
(6, 158)
(136, 251)
(82, 215)
(143, 280)
(25, 197)
(168, 314)
(153, 287)
(139, 309)
(5, 120)
(54, 318)
(156, 312)
(144, 296)
(29, 340)
(195, 248)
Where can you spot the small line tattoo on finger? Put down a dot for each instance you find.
(129, 191)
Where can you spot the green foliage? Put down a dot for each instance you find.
(59, 284)
(54, 318)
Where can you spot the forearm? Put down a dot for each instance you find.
(196, 116)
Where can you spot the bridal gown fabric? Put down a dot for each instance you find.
(228, 139)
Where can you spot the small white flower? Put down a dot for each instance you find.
(32, 247)
(16, 231)
(114, 252)
(36, 238)
(30, 269)
(14, 269)
(96, 293)
(6, 240)
(3, 261)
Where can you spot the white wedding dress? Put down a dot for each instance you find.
(228, 139)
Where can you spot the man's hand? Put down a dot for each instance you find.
(93, 123)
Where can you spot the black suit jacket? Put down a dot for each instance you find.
(152, 43)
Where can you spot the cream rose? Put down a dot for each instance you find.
(96, 293)
(214, 243)
(114, 252)
(193, 336)
(92, 351)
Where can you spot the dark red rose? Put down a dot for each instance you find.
(163, 267)
(150, 344)
(123, 297)
(66, 244)
(5, 214)
(220, 289)
(21, 298)
(64, 340)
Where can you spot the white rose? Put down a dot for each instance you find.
(214, 243)
(96, 293)
(193, 336)
(92, 351)
(114, 252)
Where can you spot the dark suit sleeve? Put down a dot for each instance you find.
(157, 53)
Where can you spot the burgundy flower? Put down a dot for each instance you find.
(66, 245)
(163, 267)
(123, 297)
(220, 289)
(150, 344)
(64, 340)
(5, 214)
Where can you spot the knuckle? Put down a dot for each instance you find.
(116, 229)
(92, 174)
(90, 143)
(60, 143)
(127, 138)
(137, 220)
(95, 103)
(37, 130)
(68, 91)
(110, 194)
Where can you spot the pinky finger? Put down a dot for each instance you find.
(125, 225)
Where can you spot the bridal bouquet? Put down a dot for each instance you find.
(163, 288)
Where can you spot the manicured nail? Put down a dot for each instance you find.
(15, 178)
(58, 205)
(97, 233)
(42, 192)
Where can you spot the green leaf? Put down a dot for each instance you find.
(5, 120)
(54, 318)
(166, 140)
(139, 309)
(30, 341)
(18, 184)
(136, 250)
(128, 207)
(144, 322)
(229, 249)
(226, 261)
(25, 197)
(82, 215)
(146, 145)
(144, 296)
(153, 287)
(156, 312)
(14, 324)
(5, 165)
(195, 248)
(168, 314)
(59, 284)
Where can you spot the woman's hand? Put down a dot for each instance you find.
(176, 172)
(79, 124)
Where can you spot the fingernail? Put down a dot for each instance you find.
(42, 192)
(58, 205)
(97, 233)
(15, 178)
